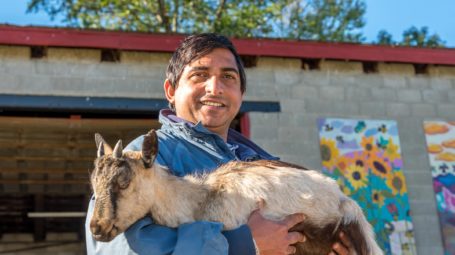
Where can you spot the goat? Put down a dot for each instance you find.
(129, 186)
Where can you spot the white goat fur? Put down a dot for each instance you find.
(225, 195)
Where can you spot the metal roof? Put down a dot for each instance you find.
(155, 42)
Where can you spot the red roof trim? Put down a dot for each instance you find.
(74, 38)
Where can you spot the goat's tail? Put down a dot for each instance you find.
(355, 225)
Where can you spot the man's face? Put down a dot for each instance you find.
(208, 91)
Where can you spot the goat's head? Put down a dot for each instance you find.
(115, 181)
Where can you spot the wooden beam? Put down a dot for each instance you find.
(44, 182)
(45, 170)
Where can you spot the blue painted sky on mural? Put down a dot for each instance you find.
(395, 16)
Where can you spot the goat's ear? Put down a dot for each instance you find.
(103, 147)
(118, 150)
(149, 148)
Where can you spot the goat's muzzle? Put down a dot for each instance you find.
(103, 230)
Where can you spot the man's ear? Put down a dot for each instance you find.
(169, 91)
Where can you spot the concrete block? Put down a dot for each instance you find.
(292, 105)
(446, 111)
(74, 55)
(372, 109)
(440, 83)
(292, 133)
(451, 95)
(260, 119)
(447, 71)
(279, 63)
(396, 69)
(435, 96)
(431, 249)
(14, 52)
(409, 95)
(421, 192)
(333, 93)
(259, 76)
(369, 81)
(417, 178)
(358, 94)
(287, 76)
(316, 79)
(347, 67)
(151, 70)
(264, 132)
(109, 70)
(344, 80)
(384, 94)
(418, 82)
(423, 110)
(297, 119)
(398, 109)
(140, 57)
(303, 91)
(395, 82)
(423, 207)
(17, 66)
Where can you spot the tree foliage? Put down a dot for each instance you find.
(412, 37)
(324, 20)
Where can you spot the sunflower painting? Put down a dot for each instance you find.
(364, 157)
(440, 137)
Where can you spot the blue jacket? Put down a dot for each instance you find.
(185, 149)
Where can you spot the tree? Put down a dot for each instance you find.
(385, 38)
(325, 20)
(412, 37)
(421, 38)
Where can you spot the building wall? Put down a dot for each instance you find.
(337, 89)
(341, 89)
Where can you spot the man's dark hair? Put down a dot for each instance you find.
(196, 46)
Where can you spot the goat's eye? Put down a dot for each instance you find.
(123, 181)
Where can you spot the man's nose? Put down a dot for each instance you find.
(214, 86)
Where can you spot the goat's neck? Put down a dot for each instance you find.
(173, 200)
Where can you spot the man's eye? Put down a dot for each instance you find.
(229, 76)
(199, 75)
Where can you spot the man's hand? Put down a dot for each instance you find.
(343, 248)
(272, 237)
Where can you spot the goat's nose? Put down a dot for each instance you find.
(95, 227)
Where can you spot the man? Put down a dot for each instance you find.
(204, 86)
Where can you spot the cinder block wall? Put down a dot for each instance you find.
(341, 89)
(337, 89)
(80, 72)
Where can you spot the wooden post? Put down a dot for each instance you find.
(39, 223)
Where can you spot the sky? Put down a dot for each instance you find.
(394, 16)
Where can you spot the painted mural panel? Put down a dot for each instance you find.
(364, 157)
(440, 137)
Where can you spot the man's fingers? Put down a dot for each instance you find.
(295, 237)
(291, 250)
(340, 249)
(345, 240)
(293, 219)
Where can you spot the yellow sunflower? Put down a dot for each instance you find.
(357, 176)
(392, 151)
(329, 152)
(377, 198)
(396, 182)
(379, 166)
(342, 163)
(359, 159)
(368, 145)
